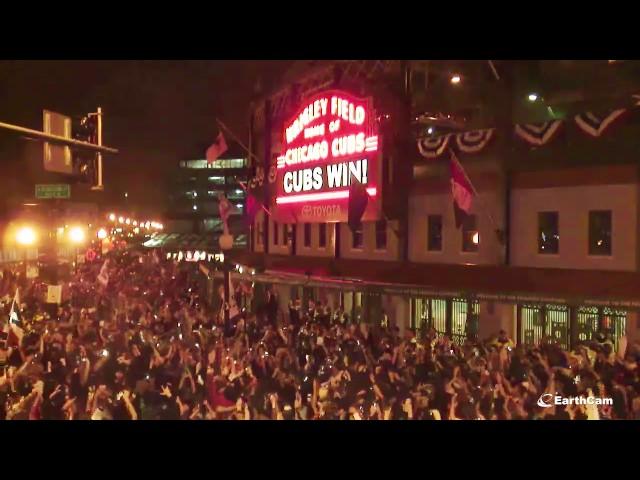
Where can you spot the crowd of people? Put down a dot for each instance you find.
(145, 346)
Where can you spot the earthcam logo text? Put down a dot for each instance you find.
(548, 400)
(320, 210)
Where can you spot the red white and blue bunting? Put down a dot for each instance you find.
(433, 147)
(534, 134)
(474, 141)
(538, 134)
(595, 125)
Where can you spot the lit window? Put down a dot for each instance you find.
(358, 239)
(548, 233)
(470, 235)
(216, 180)
(434, 233)
(600, 232)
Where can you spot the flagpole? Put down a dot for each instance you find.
(475, 192)
(244, 187)
(235, 137)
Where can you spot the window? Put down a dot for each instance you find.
(548, 235)
(220, 163)
(358, 237)
(275, 233)
(307, 234)
(259, 232)
(434, 233)
(600, 232)
(287, 233)
(381, 235)
(216, 180)
(236, 194)
(470, 235)
(322, 241)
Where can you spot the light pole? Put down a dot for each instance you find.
(26, 237)
(226, 244)
(102, 234)
(77, 236)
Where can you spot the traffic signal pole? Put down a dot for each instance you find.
(27, 132)
(98, 116)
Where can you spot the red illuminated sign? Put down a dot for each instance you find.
(331, 140)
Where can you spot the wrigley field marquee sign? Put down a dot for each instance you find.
(331, 141)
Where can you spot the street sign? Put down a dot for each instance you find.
(54, 294)
(53, 191)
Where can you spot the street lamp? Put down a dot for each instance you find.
(26, 236)
(101, 234)
(76, 235)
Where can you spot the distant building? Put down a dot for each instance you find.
(193, 199)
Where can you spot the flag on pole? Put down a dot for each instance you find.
(216, 149)
(358, 200)
(103, 276)
(252, 208)
(14, 317)
(461, 189)
(13, 329)
(225, 208)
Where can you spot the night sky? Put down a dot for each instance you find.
(156, 112)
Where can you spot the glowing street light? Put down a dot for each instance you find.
(533, 97)
(112, 217)
(102, 234)
(120, 219)
(476, 238)
(26, 236)
(455, 79)
(76, 235)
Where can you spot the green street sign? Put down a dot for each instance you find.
(53, 191)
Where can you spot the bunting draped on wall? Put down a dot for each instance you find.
(596, 125)
(474, 141)
(533, 134)
(433, 147)
(538, 134)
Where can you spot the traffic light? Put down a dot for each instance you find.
(84, 161)
(85, 128)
